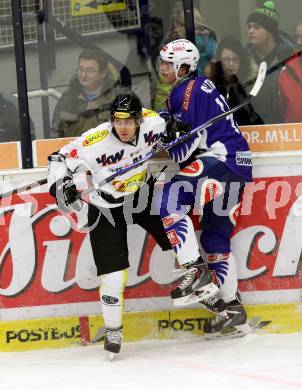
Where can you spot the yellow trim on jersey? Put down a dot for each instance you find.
(149, 113)
(132, 184)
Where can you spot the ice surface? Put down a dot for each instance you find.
(256, 362)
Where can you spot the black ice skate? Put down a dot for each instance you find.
(230, 323)
(112, 342)
(198, 286)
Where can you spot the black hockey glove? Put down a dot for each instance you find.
(67, 196)
(174, 129)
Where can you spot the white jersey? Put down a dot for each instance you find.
(100, 152)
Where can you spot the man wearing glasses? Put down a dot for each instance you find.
(85, 103)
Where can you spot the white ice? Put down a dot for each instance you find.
(256, 362)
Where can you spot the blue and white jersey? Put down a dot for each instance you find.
(195, 100)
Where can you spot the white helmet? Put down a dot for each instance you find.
(180, 52)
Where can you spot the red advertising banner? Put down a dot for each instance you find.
(43, 261)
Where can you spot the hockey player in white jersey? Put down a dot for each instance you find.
(104, 150)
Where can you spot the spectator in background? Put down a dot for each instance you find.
(266, 43)
(85, 103)
(205, 41)
(205, 37)
(290, 84)
(298, 35)
(231, 70)
(9, 119)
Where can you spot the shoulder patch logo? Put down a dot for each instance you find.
(146, 113)
(93, 138)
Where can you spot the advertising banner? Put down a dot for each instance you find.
(273, 138)
(87, 7)
(262, 138)
(47, 266)
(10, 155)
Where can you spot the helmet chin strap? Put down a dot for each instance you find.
(176, 74)
(179, 79)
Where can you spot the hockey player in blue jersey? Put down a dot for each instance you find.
(214, 165)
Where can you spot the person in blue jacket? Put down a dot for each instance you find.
(214, 165)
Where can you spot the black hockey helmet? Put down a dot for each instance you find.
(126, 105)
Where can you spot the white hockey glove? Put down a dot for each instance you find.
(67, 196)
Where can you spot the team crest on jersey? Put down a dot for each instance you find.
(132, 184)
(194, 169)
(95, 137)
(210, 190)
(146, 113)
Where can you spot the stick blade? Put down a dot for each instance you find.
(260, 78)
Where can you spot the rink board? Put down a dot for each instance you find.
(49, 289)
(261, 138)
(183, 323)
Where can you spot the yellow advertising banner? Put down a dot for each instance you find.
(61, 332)
(273, 138)
(88, 7)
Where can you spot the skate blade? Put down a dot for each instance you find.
(208, 291)
(231, 332)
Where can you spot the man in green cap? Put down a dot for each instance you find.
(267, 44)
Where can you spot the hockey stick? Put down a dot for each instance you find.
(276, 67)
(160, 146)
(24, 188)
